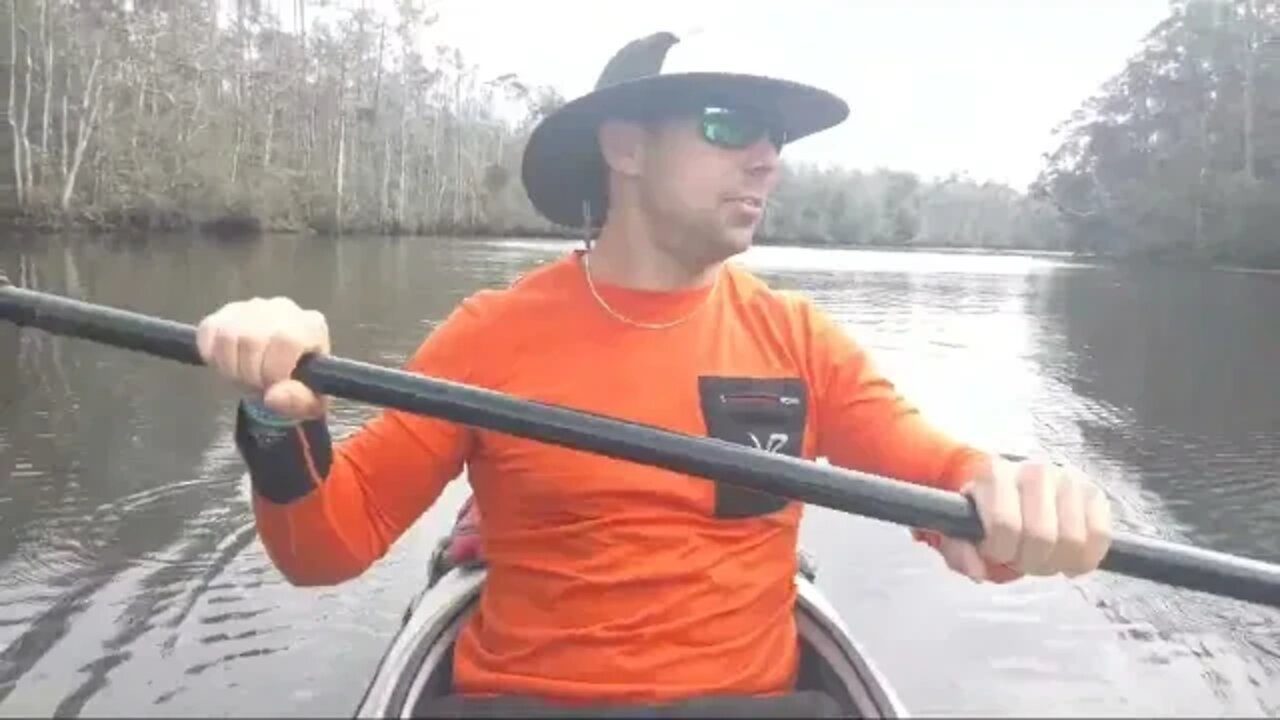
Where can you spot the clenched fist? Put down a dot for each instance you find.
(1039, 519)
(258, 343)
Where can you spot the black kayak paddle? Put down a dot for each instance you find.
(859, 493)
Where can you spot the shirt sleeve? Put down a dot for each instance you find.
(325, 512)
(865, 423)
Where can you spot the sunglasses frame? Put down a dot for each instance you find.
(759, 125)
(760, 122)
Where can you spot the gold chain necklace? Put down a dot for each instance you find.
(586, 267)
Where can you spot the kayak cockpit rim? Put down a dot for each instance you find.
(418, 662)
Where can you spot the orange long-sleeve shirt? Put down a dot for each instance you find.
(608, 580)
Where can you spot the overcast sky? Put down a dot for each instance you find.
(935, 85)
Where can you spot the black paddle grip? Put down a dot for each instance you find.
(803, 480)
(107, 325)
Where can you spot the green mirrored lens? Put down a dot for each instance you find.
(734, 128)
(728, 129)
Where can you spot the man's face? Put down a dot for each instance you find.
(707, 178)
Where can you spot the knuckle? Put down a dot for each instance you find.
(1099, 542)
(1074, 546)
(1040, 477)
(285, 335)
(1074, 534)
(1027, 473)
(219, 317)
(316, 321)
(1004, 533)
(1040, 534)
(301, 341)
(255, 338)
(1040, 549)
(1098, 511)
(1006, 529)
(222, 340)
(1007, 520)
(282, 306)
(205, 332)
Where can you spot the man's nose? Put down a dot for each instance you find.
(762, 157)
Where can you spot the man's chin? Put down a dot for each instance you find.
(726, 242)
(737, 241)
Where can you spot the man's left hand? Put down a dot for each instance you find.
(1039, 519)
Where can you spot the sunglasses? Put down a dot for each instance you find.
(737, 128)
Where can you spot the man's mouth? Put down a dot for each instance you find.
(748, 202)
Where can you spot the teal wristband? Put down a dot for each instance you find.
(265, 416)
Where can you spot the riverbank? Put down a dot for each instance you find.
(244, 226)
(234, 227)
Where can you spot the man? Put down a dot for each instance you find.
(611, 582)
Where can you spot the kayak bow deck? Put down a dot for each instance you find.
(418, 665)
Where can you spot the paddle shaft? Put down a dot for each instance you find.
(806, 481)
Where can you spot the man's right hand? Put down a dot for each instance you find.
(258, 343)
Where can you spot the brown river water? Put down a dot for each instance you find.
(131, 581)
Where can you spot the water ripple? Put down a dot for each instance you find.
(130, 575)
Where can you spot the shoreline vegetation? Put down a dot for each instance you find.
(152, 117)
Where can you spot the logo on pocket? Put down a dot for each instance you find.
(768, 414)
(773, 444)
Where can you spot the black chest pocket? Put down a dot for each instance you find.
(764, 413)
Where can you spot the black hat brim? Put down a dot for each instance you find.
(562, 167)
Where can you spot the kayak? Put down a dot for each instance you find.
(417, 665)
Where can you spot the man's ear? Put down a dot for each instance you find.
(622, 144)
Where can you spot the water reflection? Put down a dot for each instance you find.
(996, 357)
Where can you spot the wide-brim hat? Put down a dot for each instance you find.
(563, 170)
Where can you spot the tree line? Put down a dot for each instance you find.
(164, 113)
(326, 116)
(1178, 154)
